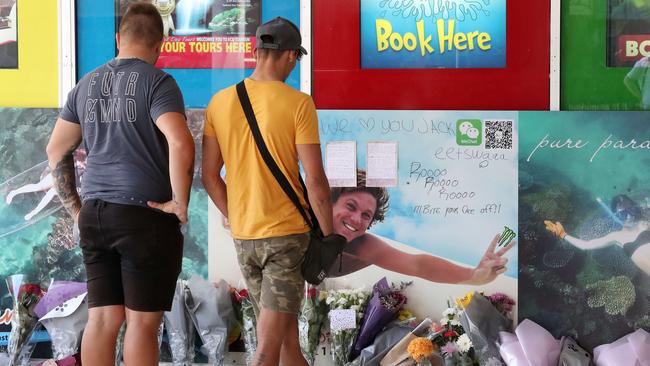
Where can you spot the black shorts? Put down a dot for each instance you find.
(132, 254)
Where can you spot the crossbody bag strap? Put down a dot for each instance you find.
(266, 155)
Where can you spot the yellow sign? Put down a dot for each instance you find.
(35, 83)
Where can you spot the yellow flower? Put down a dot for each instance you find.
(419, 348)
(404, 315)
(463, 302)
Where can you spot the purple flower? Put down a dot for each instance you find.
(449, 348)
(502, 302)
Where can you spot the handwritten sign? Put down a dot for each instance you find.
(441, 189)
(341, 163)
(342, 319)
(381, 164)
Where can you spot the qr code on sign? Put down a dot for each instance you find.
(498, 134)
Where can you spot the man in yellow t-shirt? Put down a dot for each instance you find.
(270, 235)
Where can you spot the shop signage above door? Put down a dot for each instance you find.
(405, 34)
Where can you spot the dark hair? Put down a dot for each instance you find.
(623, 202)
(142, 23)
(379, 193)
(264, 53)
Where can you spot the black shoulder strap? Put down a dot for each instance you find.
(268, 159)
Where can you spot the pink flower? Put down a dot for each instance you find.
(502, 302)
(449, 348)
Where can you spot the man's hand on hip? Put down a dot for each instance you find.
(171, 207)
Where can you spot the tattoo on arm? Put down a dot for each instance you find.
(66, 185)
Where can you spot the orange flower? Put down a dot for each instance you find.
(419, 348)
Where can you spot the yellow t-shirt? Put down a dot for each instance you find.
(257, 206)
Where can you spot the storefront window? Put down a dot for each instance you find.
(208, 45)
(605, 49)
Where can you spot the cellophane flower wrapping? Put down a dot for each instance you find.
(63, 311)
(342, 341)
(249, 324)
(211, 311)
(119, 345)
(313, 312)
(25, 294)
(482, 319)
(386, 301)
(180, 329)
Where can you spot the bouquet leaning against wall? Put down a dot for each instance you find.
(343, 335)
(26, 294)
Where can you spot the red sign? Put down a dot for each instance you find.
(633, 47)
(200, 52)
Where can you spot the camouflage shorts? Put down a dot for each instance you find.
(271, 269)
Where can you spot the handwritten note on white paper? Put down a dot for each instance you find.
(341, 163)
(342, 319)
(381, 164)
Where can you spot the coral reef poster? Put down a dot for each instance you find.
(584, 213)
(201, 34)
(36, 234)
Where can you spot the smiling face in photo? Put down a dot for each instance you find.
(353, 213)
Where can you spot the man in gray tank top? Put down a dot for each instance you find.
(130, 118)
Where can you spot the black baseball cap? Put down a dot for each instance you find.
(280, 34)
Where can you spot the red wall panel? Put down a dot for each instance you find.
(339, 82)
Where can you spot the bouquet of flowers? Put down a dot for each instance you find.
(63, 311)
(180, 329)
(484, 318)
(23, 320)
(342, 340)
(210, 309)
(420, 349)
(313, 311)
(455, 346)
(387, 300)
(249, 324)
(399, 354)
(503, 303)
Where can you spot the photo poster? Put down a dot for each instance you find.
(433, 34)
(39, 241)
(628, 32)
(8, 34)
(423, 220)
(586, 174)
(205, 34)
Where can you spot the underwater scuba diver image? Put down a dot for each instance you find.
(633, 236)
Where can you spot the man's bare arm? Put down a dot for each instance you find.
(181, 163)
(212, 162)
(65, 138)
(318, 187)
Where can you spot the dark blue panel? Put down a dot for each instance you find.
(95, 34)
(96, 45)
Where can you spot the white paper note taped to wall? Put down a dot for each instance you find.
(341, 163)
(381, 164)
